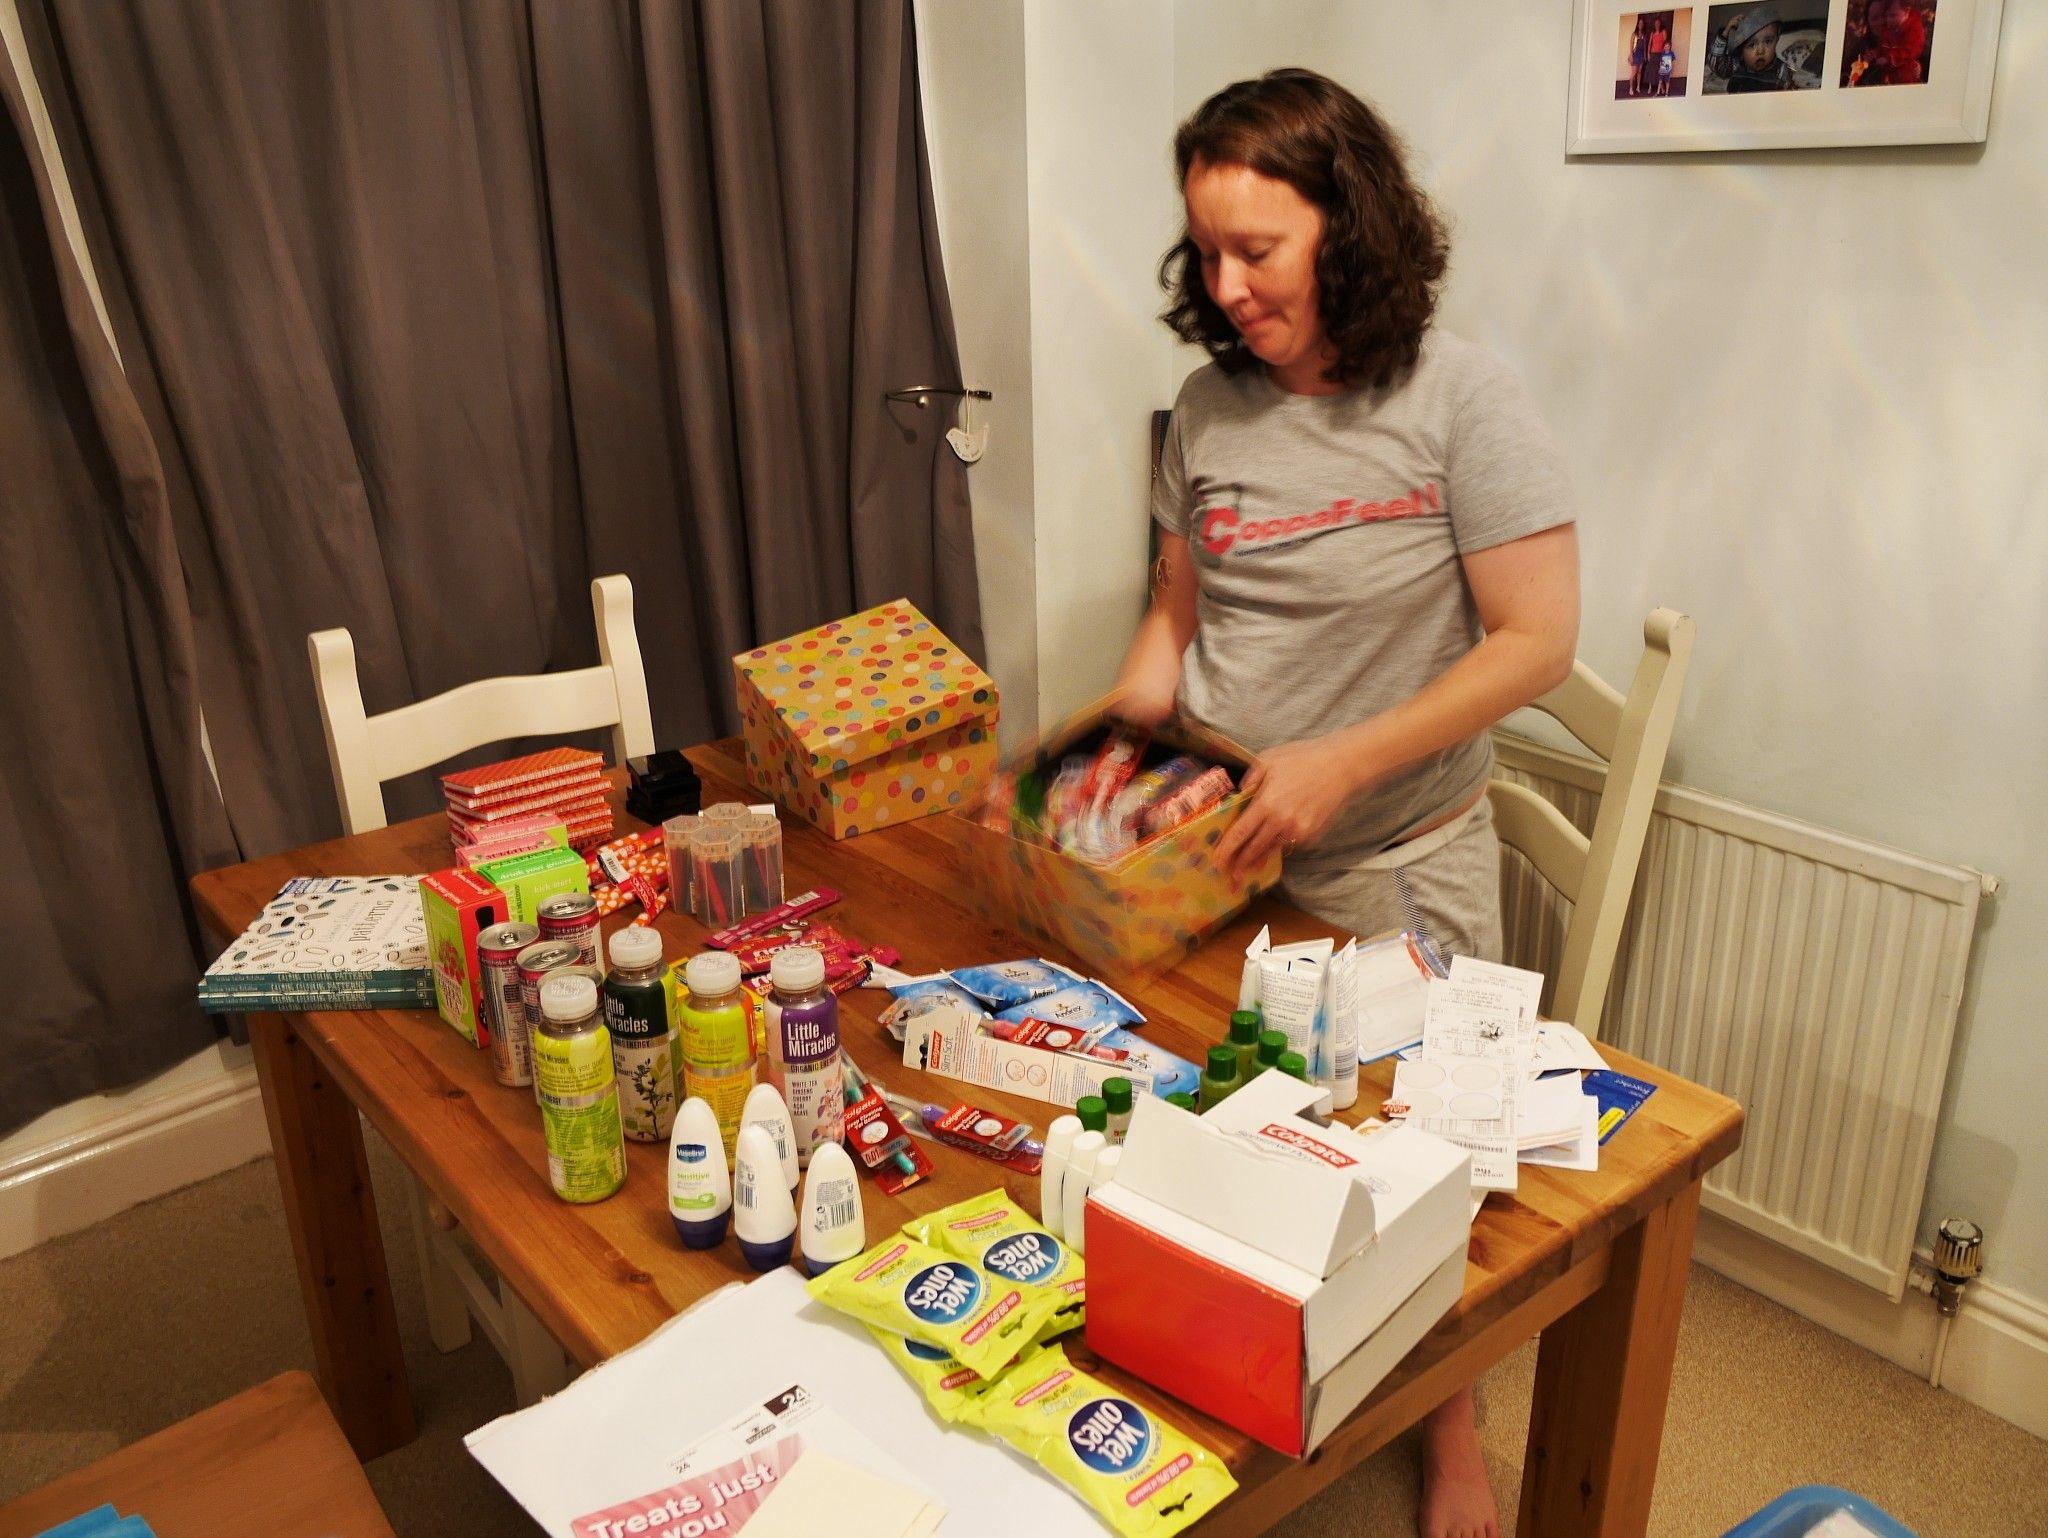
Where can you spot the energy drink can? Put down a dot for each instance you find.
(497, 954)
(535, 963)
(579, 1093)
(572, 916)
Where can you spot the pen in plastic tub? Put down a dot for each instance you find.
(761, 840)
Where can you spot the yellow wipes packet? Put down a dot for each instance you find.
(1004, 1239)
(947, 1387)
(913, 1290)
(1142, 1477)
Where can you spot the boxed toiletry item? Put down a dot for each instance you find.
(528, 880)
(457, 904)
(1270, 1270)
(867, 722)
(1136, 911)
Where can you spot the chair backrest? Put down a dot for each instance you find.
(1597, 874)
(364, 750)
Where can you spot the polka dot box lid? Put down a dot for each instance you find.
(858, 686)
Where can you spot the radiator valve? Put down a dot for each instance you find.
(1958, 1255)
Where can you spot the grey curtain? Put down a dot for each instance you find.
(105, 801)
(431, 310)
(444, 307)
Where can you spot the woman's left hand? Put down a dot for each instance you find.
(1296, 790)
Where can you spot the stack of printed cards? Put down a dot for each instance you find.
(565, 785)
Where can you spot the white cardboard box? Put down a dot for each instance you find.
(1267, 1269)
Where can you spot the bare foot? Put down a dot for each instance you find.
(1457, 1499)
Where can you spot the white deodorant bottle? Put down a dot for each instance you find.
(830, 1223)
(766, 1109)
(699, 1192)
(763, 1214)
(1074, 1190)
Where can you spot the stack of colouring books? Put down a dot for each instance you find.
(328, 942)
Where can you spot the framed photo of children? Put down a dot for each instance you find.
(1778, 74)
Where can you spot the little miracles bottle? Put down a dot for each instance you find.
(803, 1048)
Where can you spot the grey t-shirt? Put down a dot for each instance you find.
(1326, 532)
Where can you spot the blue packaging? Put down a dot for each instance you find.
(939, 985)
(1087, 1007)
(1171, 1075)
(1004, 983)
(1619, 1095)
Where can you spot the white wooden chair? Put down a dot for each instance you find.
(1597, 874)
(364, 751)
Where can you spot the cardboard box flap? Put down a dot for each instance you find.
(853, 688)
(1307, 1216)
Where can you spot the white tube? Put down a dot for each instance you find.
(1052, 1173)
(1074, 1192)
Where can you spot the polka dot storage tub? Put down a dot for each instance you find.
(869, 721)
(1134, 916)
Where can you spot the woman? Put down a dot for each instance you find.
(1367, 555)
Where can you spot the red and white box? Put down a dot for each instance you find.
(1270, 1270)
(565, 785)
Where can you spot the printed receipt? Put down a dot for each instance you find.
(1478, 1028)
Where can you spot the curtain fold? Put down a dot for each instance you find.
(426, 311)
(447, 306)
(106, 803)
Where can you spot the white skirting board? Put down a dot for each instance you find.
(93, 1158)
(1997, 1355)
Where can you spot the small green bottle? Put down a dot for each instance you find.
(1271, 1045)
(1219, 1078)
(1183, 1099)
(1294, 1065)
(1094, 1113)
(1244, 1039)
(1116, 1098)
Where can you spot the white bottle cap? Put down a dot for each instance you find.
(798, 969)
(568, 998)
(635, 946)
(766, 1109)
(712, 973)
(1106, 1163)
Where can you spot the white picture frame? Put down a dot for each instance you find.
(1606, 115)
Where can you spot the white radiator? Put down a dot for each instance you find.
(1810, 976)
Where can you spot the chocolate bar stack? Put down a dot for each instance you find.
(562, 785)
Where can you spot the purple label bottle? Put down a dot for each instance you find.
(803, 1048)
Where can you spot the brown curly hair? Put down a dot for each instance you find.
(1383, 250)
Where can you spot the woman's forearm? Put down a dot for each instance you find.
(1496, 678)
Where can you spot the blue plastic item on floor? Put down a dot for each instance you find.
(1798, 1512)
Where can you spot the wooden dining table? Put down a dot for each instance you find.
(1595, 1262)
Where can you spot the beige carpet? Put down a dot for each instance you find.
(110, 1334)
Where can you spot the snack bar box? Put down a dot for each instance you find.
(1135, 914)
(1269, 1270)
(869, 721)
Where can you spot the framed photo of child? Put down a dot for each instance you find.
(1779, 74)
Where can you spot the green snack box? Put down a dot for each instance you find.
(528, 880)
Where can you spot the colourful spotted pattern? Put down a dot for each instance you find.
(1136, 916)
(868, 721)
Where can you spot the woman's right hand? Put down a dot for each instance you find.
(1144, 701)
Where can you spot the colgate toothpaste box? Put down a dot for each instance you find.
(868, 722)
(1136, 914)
(1269, 1270)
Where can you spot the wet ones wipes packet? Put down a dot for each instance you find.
(926, 1295)
(1004, 1240)
(947, 1387)
(1141, 1476)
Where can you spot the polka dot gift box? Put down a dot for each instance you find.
(1136, 915)
(869, 721)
